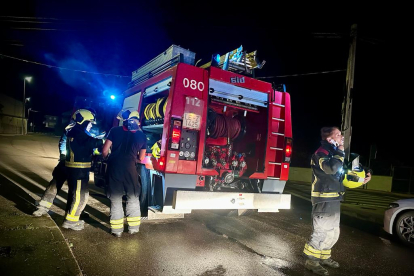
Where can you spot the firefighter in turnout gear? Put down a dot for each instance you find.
(126, 143)
(79, 147)
(326, 195)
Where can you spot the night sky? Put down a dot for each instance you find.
(117, 37)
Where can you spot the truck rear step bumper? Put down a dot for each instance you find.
(263, 202)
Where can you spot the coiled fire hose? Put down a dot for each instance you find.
(156, 110)
(224, 126)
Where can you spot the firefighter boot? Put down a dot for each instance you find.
(40, 211)
(77, 226)
(133, 231)
(316, 268)
(117, 234)
(329, 262)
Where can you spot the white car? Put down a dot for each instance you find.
(399, 220)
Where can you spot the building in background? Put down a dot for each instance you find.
(11, 116)
(50, 123)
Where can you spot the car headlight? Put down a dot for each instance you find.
(393, 205)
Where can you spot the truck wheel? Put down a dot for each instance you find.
(404, 228)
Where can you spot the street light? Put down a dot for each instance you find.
(24, 100)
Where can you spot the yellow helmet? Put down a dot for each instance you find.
(82, 115)
(354, 179)
(355, 176)
(126, 114)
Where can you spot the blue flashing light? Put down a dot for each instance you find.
(217, 57)
(112, 97)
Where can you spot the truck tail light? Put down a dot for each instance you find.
(175, 134)
(288, 149)
(161, 163)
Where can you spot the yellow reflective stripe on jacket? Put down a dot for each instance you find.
(72, 218)
(317, 194)
(321, 161)
(314, 181)
(72, 155)
(79, 165)
(44, 203)
(339, 157)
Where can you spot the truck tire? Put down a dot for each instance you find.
(404, 228)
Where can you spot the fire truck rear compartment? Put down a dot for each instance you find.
(235, 145)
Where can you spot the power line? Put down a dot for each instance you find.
(123, 76)
(305, 74)
(63, 68)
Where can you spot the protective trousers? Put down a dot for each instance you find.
(325, 232)
(78, 193)
(123, 180)
(55, 185)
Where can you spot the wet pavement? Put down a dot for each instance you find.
(28, 245)
(202, 243)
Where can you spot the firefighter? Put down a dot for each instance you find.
(126, 143)
(326, 195)
(79, 147)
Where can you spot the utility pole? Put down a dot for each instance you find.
(346, 126)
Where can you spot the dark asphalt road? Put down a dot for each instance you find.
(204, 242)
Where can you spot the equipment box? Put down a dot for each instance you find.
(167, 55)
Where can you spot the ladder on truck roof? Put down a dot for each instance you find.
(237, 61)
(161, 63)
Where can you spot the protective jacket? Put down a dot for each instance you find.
(327, 173)
(79, 148)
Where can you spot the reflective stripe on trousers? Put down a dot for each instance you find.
(124, 180)
(325, 234)
(77, 199)
(132, 213)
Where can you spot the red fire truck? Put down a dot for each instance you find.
(217, 137)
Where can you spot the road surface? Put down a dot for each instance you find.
(203, 242)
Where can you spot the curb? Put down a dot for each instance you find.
(31, 195)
